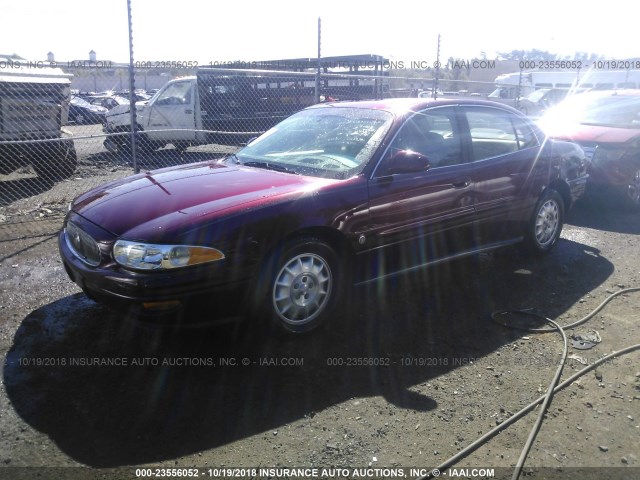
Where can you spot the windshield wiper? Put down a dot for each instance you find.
(270, 166)
(233, 157)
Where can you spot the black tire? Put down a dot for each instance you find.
(546, 223)
(632, 193)
(144, 145)
(181, 147)
(59, 163)
(304, 285)
(124, 148)
(80, 119)
(123, 145)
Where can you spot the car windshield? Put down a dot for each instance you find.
(79, 102)
(330, 142)
(611, 110)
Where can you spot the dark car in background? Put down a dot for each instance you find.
(607, 126)
(82, 112)
(335, 195)
(536, 103)
(107, 101)
(138, 95)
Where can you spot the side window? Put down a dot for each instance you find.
(496, 132)
(432, 133)
(525, 134)
(176, 94)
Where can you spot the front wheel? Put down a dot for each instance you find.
(633, 191)
(546, 224)
(57, 161)
(304, 285)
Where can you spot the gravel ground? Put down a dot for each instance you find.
(410, 372)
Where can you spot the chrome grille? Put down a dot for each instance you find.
(82, 244)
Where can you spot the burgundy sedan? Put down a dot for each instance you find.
(336, 195)
(607, 126)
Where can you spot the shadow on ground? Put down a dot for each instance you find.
(108, 416)
(606, 212)
(19, 188)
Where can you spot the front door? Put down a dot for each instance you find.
(173, 113)
(417, 218)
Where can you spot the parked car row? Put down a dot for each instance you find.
(139, 94)
(107, 101)
(82, 112)
(91, 108)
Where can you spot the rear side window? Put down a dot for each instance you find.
(524, 133)
(496, 132)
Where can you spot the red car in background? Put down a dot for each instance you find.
(607, 126)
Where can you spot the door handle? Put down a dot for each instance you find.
(462, 183)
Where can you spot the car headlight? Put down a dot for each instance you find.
(146, 256)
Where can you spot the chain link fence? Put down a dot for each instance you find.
(66, 130)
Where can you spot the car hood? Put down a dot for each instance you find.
(126, 108)
(593, 133)
(151, 204)
(119, 110)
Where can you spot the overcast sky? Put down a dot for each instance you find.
(210, 31)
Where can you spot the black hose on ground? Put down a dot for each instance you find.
(553, 387)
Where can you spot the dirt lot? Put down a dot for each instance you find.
(411, 372)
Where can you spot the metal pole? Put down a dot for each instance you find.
(317, 92)
(518, 89)
(132, 101)
(435, 83)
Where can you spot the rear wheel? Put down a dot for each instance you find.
(123, 144)
(181, 146)
(57, 162)
(546, 224)
(304, 285)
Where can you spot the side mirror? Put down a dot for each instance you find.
(407, 161)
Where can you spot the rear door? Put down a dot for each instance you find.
(504, 156)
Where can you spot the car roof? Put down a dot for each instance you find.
(400, 106)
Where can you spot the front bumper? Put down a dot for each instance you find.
(149, 291)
